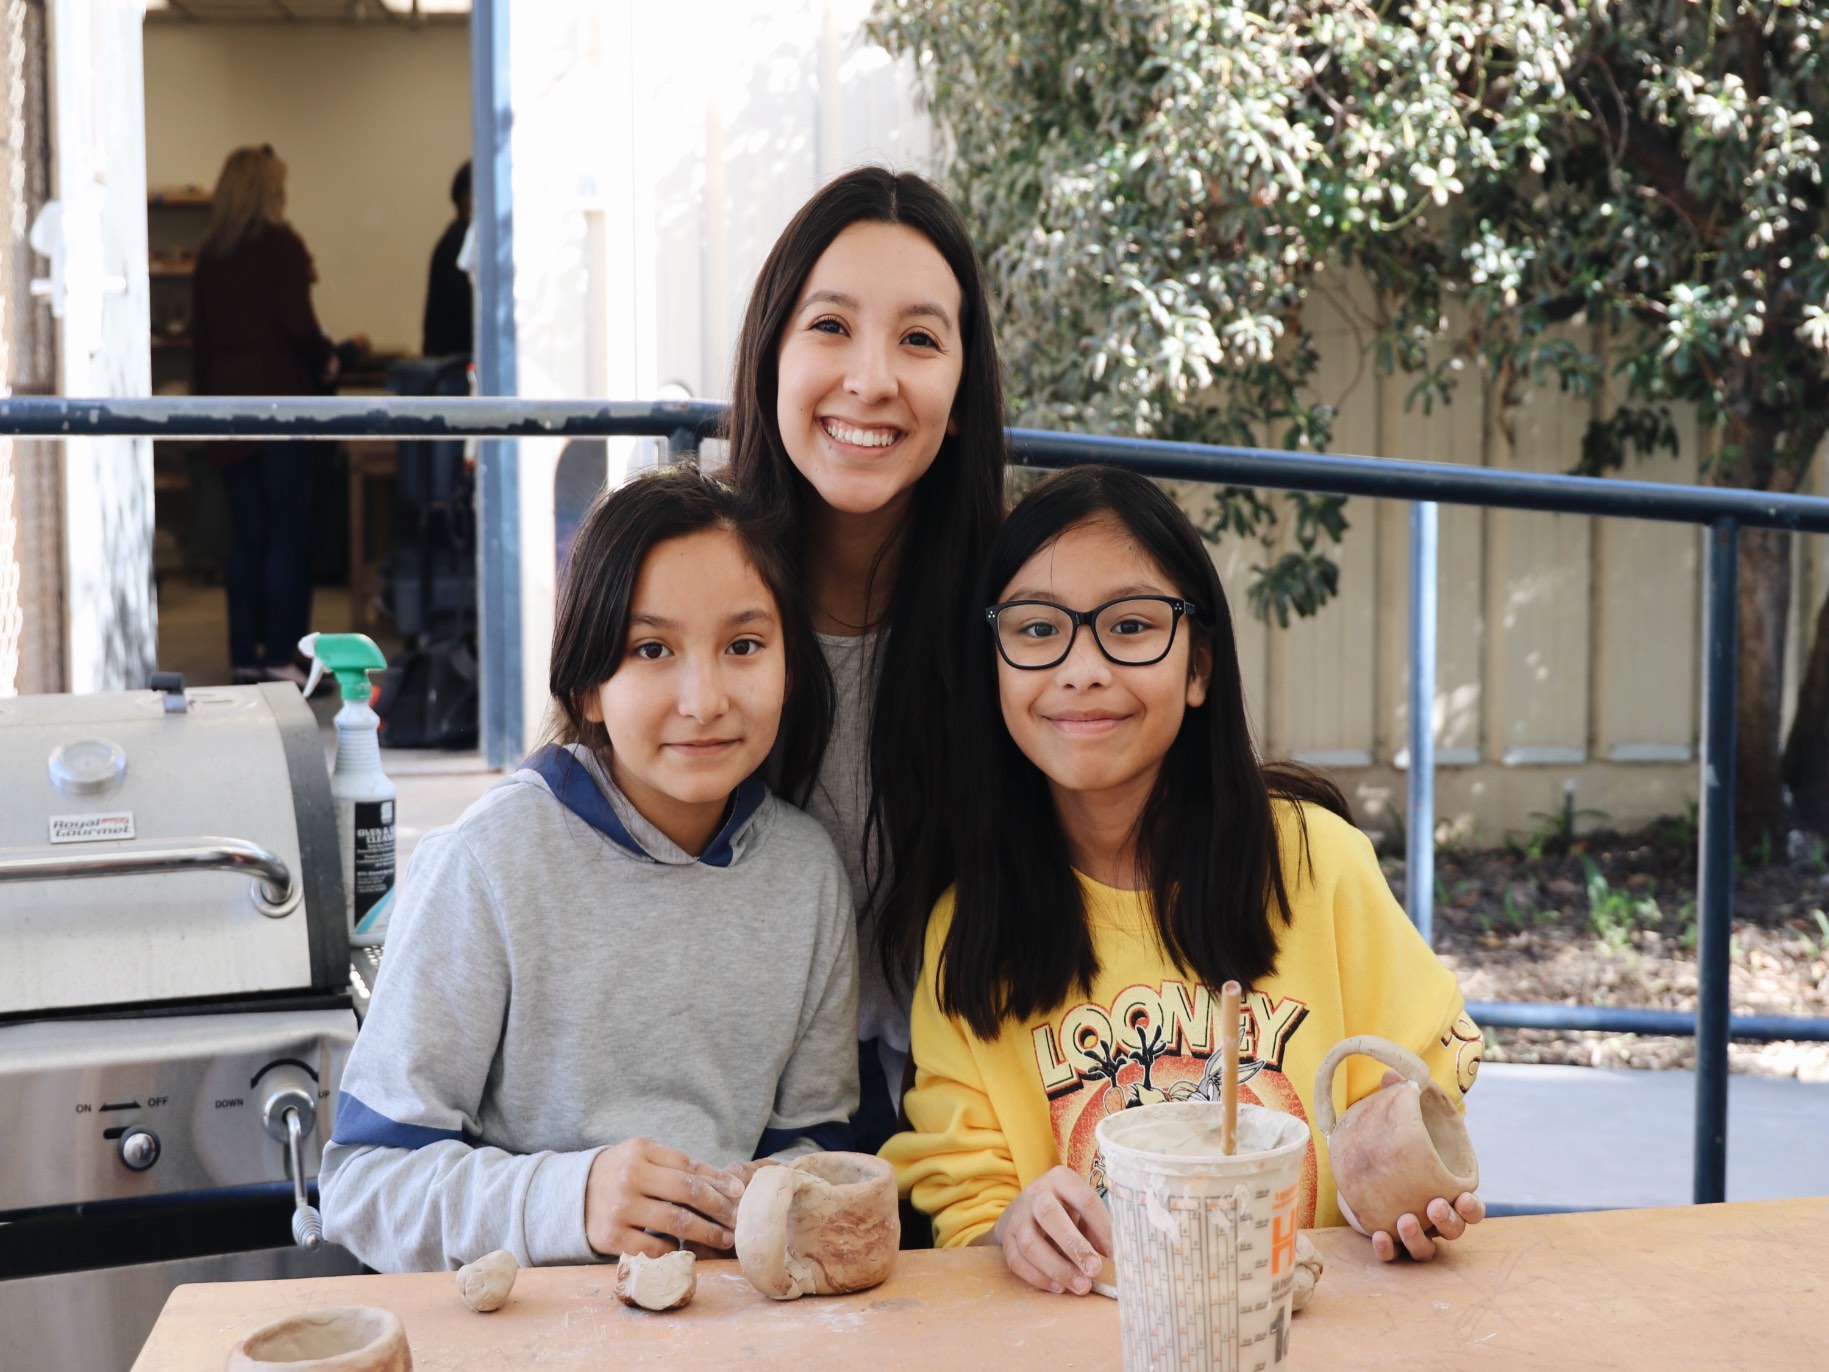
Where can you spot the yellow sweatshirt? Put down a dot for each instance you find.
(988, 1118)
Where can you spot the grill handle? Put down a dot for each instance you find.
(275, 891)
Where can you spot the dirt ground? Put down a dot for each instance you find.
(1609, 919)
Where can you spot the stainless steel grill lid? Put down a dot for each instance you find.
(165, 848)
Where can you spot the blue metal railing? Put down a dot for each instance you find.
(1722, 512)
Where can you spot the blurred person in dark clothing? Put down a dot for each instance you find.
(254, 333)
(449, 310)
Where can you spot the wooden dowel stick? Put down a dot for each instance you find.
(1229, 997)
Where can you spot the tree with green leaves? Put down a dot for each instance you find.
(1157, 183)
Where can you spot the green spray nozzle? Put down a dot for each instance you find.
(349, 657)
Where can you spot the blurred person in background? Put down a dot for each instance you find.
(449, 326)
(254, 333)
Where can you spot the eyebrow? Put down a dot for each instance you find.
(921, 309)
(1119, 593)
(753, 615)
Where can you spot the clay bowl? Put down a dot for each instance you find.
(823, 1224)
(348, 1338)
(1400, 1147)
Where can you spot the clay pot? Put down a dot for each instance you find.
(822, 1224)
(1399, 1148)
(349, 1338)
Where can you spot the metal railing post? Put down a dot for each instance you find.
(498, 467)
(1715, 857)
(1419, 828)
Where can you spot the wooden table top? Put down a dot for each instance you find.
(1718, 1287)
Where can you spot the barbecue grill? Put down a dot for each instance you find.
(175, 1005)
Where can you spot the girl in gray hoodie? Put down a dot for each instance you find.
(628, 971)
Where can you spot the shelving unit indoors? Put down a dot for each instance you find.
(175, 221)
(191, 523)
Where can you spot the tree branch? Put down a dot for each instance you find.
(1652, 153)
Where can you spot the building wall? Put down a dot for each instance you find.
(372, 122)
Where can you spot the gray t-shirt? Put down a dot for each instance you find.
(840, 800)
(560, 977)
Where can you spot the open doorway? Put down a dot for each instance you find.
(366, 107)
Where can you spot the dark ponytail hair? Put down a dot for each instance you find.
(591, 625)
(948, 523)
(1206, 839)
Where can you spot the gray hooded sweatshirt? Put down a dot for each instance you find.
(560, 977)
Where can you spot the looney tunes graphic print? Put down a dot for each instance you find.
(1156, 1044)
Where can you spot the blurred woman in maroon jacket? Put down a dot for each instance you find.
(254, 333)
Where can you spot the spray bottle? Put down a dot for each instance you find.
(363, 797)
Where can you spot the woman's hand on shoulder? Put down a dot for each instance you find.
(1055, 1234)
(640, 1190)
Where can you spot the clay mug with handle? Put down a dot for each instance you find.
(1400, 1147)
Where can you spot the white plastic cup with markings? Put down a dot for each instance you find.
(1204, 1242)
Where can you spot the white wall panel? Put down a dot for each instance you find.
(1233, 558)
(1647, 617)
(1539, 588)
(1325, 690)
(1445, 433)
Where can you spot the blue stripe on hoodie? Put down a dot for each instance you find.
(576, 789)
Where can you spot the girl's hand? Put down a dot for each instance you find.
(1055, 1233)
(640, 1190)
(1446, 1219)
(745, 1172)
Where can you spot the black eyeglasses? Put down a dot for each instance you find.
(1133, 631)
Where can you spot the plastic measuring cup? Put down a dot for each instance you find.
(1205, 1243)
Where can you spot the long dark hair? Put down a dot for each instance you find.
(591, 627)
(948, 523)
(1206, 840)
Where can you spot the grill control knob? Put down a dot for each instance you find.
(139, 1148)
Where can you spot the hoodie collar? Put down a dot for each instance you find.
(581, 786)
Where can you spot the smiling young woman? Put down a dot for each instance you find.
(868, 369)
(867, 403)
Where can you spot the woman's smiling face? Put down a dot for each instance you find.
(1097, 729)
(868, 367)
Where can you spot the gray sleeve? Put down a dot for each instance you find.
(817, 1092)
(402, 1186)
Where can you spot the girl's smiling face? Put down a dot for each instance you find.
(868, 366)
(1096, 729)
(695, 701)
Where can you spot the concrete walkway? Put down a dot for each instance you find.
(1546, 1136)
(1581, 1136)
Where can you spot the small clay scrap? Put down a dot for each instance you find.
(1308, 1270)
(485, 1283)
(823, 1224)
(663, 1283)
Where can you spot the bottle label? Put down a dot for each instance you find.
(373, 879)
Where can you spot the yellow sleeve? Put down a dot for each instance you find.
(954, 1161)
(1392, 983)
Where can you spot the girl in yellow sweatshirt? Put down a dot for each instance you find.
(1120, 854)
